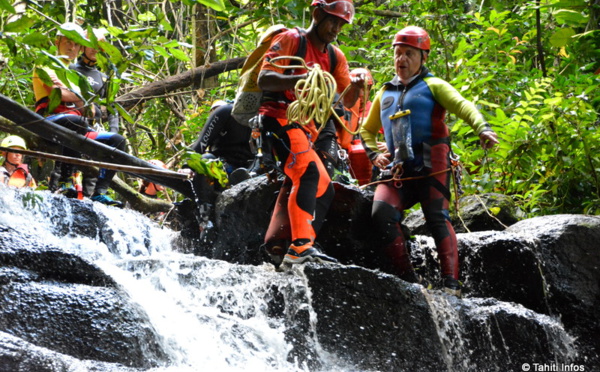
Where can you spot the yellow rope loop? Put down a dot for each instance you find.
(314, 95)
(314, 98)
(363, 106)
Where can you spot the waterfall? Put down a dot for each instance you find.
(211, 315)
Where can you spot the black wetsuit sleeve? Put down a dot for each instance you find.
(212, 128)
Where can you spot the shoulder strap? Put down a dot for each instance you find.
(28, 179)
(301, 52)
(332, 58)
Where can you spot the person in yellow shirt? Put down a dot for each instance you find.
(75, 114)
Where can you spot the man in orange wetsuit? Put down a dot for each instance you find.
(311, 190)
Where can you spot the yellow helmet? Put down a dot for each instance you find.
(14, 141)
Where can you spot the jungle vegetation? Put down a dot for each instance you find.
(532, 67)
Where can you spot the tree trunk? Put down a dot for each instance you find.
(137, 201)
(172, 83)
(204, 53)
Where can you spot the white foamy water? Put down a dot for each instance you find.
(210, 315)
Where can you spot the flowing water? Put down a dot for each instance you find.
(208, 313)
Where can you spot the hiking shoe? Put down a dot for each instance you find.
(306, 253)
(107, 200)
(239, 175)
(452, 286)
(67, 189)
(275, 253)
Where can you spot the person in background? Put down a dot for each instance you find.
(74, 114)
(311, 190)
(86, 65)
(359, 164)
(150, 189)
(13, 171)
(412, 109)
(224, 138)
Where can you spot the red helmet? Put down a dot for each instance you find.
(343, 9)
(363, 71)
(157, 163)
(413, 36)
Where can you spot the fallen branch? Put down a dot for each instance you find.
(172, 83)
(119, 167)
(53, 132)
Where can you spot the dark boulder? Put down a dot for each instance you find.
(486, 212)
(57, 308)
(568, 247)
(374, 321)
(19, 355)
(63, 303)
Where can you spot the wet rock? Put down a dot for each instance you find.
(58, 309)
(63, 303)
(242, 215)
(374, 321)
(19, 355)
(24, 254)
(485, 212)
(244, 211)
(568, 248)
(358, 309)
(503, 266)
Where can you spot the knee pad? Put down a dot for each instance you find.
(386, 219)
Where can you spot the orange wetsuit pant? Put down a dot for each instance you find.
(311, 190)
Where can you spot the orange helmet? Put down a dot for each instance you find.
(343, 9)
(363, 71)
(413, 36)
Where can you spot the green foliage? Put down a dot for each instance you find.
(211, 168)
(547, 122)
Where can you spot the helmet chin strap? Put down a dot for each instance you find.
(14, 165)
(86, 60)
(317, 28)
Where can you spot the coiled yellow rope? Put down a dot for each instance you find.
(314, 95)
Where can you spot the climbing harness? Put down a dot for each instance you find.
(395, 175)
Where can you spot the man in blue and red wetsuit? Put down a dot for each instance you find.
(311, 190)
(412, 109)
